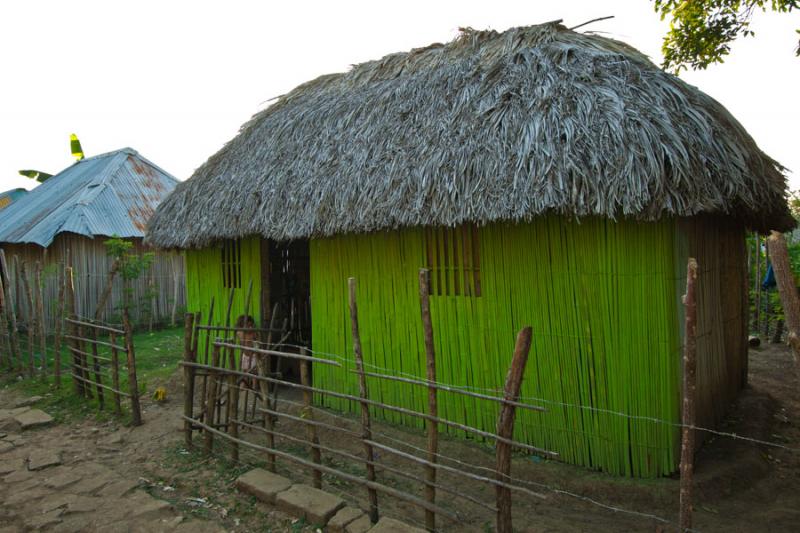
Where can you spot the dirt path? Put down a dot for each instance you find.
(112, 478)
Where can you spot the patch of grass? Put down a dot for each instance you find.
(157, 356)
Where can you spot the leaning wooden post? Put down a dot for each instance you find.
(31, 315)
(788, 291)
(308, 414)
(505, 428)
(188, 379)
(366, 432)
(115, 373)
(101, 302)
(40, 314)
(133, 385)
(689, 386)
(211, 401)
(59, 329)
(11, 310)
(433, 410)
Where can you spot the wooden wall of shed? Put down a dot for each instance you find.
(719, 247)
(91, 266)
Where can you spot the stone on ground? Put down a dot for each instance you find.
(359, 525)
(316, 506)
(390, 525)
(5, 446)
(63, 478)
(27, 402)
(42, 521)
(262, 484)
(41, 459)
(33, 418)
(343, 518)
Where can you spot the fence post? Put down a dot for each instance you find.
(59, 330)
(133, 385)
(366, 432)
(308, 414)
(211, 401)
(11, 310)
(96, 367)
(432, 426)
(40, 314)
(233, 406)
(4, 332)
(505, 428)
(689, 386)
(115, 373)
(188, 378)
(79, 388)
(31, 314)
(264, 363)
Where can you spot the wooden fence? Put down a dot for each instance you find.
(231, 388)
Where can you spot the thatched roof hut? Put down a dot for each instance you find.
(492, 126)
(544, 178)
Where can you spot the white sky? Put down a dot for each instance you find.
(176, 79)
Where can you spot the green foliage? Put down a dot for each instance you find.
(37, 175)
(131, 266)
(701, 31)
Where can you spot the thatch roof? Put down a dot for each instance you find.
(491, 126)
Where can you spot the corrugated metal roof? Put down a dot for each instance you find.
(109, 194)
(9, 197)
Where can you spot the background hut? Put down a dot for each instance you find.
(77, 210)
(545, 177)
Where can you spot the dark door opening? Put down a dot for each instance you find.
(288, 295)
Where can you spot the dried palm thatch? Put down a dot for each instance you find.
(491, 126)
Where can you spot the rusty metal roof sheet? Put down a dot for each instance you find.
(109, 194)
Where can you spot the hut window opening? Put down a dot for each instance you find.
(453, 258)
(232, 264)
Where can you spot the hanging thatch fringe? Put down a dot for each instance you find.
(492, 126)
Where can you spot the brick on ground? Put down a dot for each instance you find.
(341, 519)
(262, 484)
(316, 506)
(33, 418)
(390, 525)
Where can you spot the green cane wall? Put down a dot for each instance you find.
(204, 281)
(600, 295)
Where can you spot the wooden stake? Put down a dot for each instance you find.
(689, 388)
(98, 380)
(30, 315)
(788, 291)
(233, 407)
(431, 425)
(505, 427)
(264, 366)
(70, 287)
(308, 414)
(211, 401)
(366, 432)
(188, 379)
(4, 332)
(11, 310)
(136, 410)
(101, 303)
(40, 320)
(115, 373)
(60, 323)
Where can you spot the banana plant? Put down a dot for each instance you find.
(41, 177)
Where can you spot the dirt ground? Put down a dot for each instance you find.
(128, 479)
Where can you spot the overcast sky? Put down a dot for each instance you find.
(175, 79)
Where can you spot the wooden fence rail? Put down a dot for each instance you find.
(229, 374)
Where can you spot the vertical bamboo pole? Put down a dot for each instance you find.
(269, 420)
(188, 379)
(788, 290)
(30, 315)
(61, 280)
(115, 374)
(689, 387)
(366, 431)
(206, 360)
(433, 410)
(133, 384)
(70, 286)
(98, 380)
(211, 401)
(757, 286)
(11, 310)
(308, 414)
(42, 332)
(233, 407)
(4, 332)
(505, 427)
